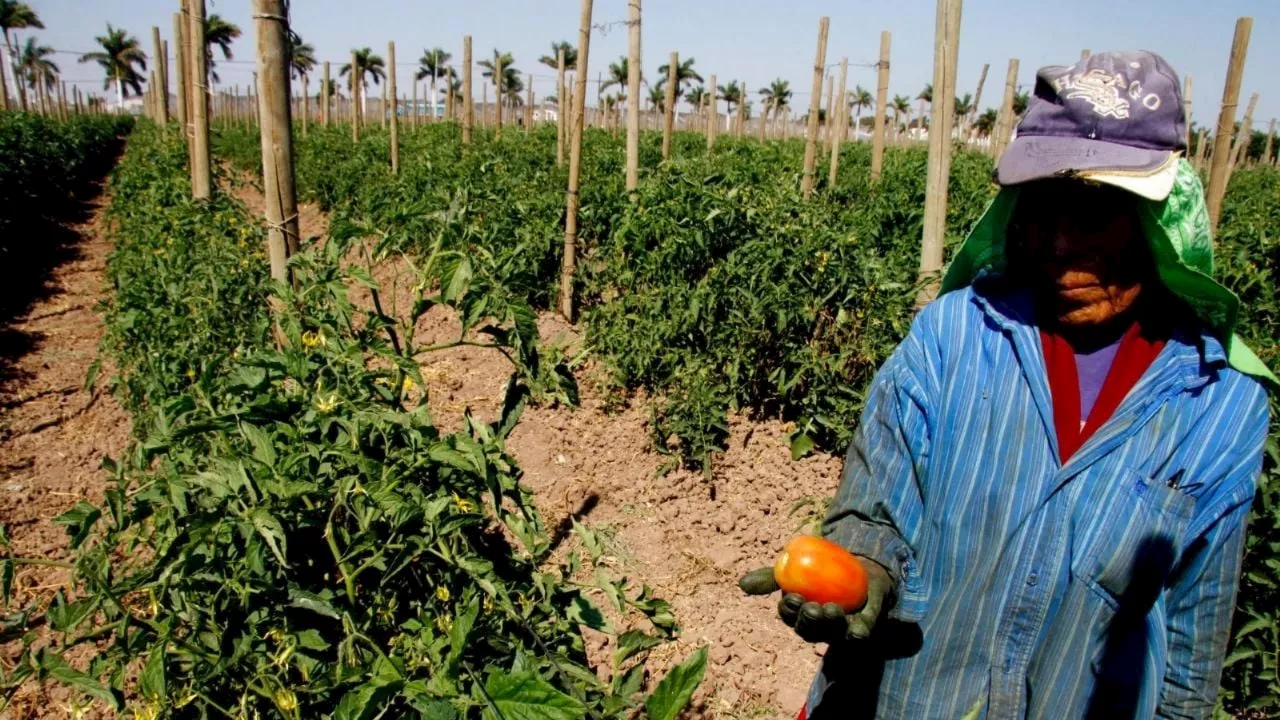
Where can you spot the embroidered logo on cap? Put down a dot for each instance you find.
(1109, 94)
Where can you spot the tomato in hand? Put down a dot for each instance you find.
(822, 572)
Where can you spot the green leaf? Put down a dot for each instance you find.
(632, 642)
(79, 521)
(151, 681)
(263, 451)
(673, 693)
(801, 445)
(314, 603)
(366, 701)
(53, 666)
(457, 280)
(271, 531)
(64, 616)
(526, 696)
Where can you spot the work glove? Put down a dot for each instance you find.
(815, 622)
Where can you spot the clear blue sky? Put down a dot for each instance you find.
(752, 40)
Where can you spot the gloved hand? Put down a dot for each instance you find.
(827, 623)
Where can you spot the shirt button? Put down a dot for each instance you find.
(1033, 578)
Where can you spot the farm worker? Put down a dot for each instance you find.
(1050, 481)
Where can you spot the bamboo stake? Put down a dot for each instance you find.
(468, 109)
(324, 96)
(62, 100)
(1201, 144)
(413, 117)
(946, 51)
(815, 103)
(355, 99)
(1244, 138)
(280, 197)
(562, 107)
(1085, 53)
(1219, 162)
(977, 97)
(180, 71)
(839, 136)
(713, 115)
(306, 103)
(528, 105)
(1271, 138)
(79, 109)
(569, 259)
(669, 100)
(633, 98)
(382, 107)
(826, 125)
(1186, 108)
(162, 77)
(390, 87)
(202, 180)
(1004, 125)
(742, 109)
(882, 105)
(497, 97)
(484, 104)
(4, 89)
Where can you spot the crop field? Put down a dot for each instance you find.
(390, 478)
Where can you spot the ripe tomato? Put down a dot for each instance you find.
(822, 572)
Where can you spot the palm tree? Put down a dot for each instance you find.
(302, 57)
(696, 96)
(776, 96)
(120, 52)
(901, 106)
(367, 65)
(1020, 102)
(553, 61)
(218, 32)
(658, 98)
(510, 76)
(731, 94)
(925, 96)
(985, 123)
(860, 100)
(15, 16)
(35, 66)
(685, 75)
(434, 64)
(618, 74)
(964, 106)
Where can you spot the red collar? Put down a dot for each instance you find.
(1138, 349)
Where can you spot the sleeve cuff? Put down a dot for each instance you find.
(882, 544)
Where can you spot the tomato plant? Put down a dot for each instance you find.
(291, 535)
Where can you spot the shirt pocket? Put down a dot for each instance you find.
(1138, 541)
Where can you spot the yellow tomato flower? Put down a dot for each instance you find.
(327, 405)
(312, 339)
(442, 594)
(443, 623)
(463, 505)
(285, 700)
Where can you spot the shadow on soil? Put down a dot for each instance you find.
(42, 237)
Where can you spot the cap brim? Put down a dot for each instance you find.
(1040, 157)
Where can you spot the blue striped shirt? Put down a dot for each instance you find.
(1029, 588)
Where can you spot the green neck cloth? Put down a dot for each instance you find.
(1181, 244)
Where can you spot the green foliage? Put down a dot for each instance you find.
(43, 161)
(1248, 255)
(291, 535)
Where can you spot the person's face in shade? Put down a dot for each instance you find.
(1083, 249)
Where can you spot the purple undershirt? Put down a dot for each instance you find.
(1092, 368)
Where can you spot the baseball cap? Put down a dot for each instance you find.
(1114, 118)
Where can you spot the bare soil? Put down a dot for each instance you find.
(54, 433)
